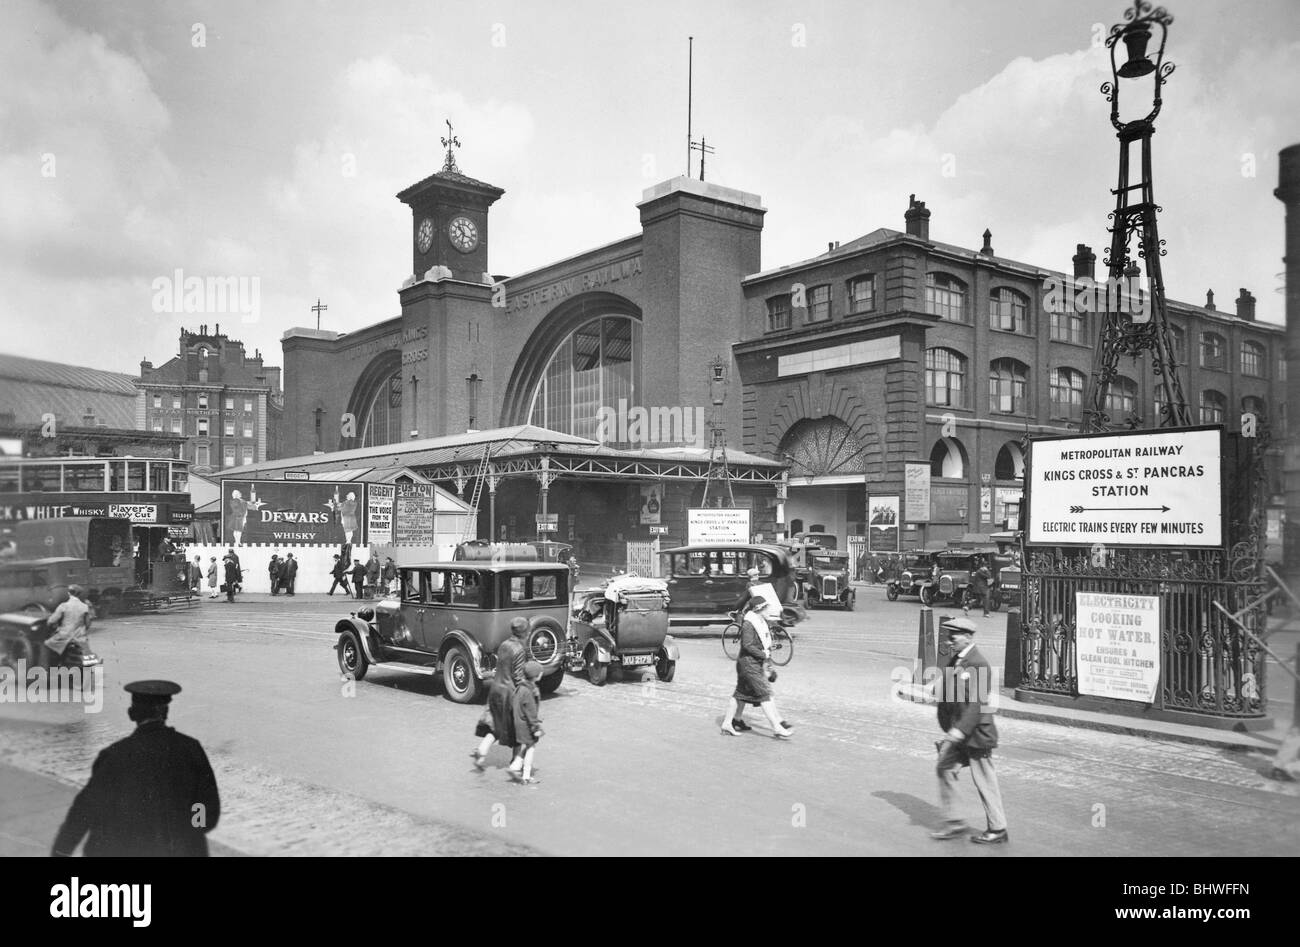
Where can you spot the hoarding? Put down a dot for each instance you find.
(413, 510)
(1117, 641)
(379, 512)
(709, 526)
(279, 511)
(882, 522)
(916, 492)
(1142, 488)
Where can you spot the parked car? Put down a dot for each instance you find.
(828, 579)
(629, 629)
(39, 585)
(22, 640)
(707, 582)
(449, 618)
(950, 580)
(915, 572)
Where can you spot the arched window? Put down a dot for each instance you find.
(945, 297)
(945, 378)
(1253, 359)
(1121, 399)
(1008, 310)
(1213, 407)
(796, 526)
(597, 366)
(1067, 393)
(948, 458)
(1008, 386)
(1213, 351)
(1255, 406)
(382, 420)
(1010, 464)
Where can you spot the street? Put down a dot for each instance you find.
(631, 768)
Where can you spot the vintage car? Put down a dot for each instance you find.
(22, 639)
(915, 571)
(1009, 585)
(39, 585)
(481, 550)
(828, 579)
(950, 579)
(824, 540)
(707, 582)
(448, 619)
(624, 623)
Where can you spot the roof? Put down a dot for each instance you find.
(31, 388)
(481, 565)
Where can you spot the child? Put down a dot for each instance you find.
(528, 725)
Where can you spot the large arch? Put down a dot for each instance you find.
(829, 398)
(373, 377)
(546, 339)
(823, 447)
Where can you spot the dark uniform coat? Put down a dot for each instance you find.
(511, 656)
(528, 724)
(143, 798)
(966, 685)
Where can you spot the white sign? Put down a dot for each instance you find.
(916, 492)
(1118, 644)
(1148, 488)
(707, 527)
(380, 512)
(135, 512)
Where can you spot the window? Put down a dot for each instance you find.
(157, 401)
(1255, 406)
(248, 430)
(1121, 399)
(176, 425)
(862, 294)
(248, 455)
(533, 589)
(1067, 326)
(230, 429)
(230, 404)
(248, 406)
(945, 297)
(180, 479)
(83, 477)
(1213, 351)
(1252, 359)
(176, 402)
(201, 425)
(45, 477)
(201, 456)
(229, 459)
(945, 378)
(948, 458)
(1179, 340)
(778, 313)
(1008, 386)
(203, 401)
(203, 353)
(1067, 393)
(1213, 407)
(159, 477)
(1010, 463)
(157, 425)
(467, 589)
(819, 304)
(1008, 310)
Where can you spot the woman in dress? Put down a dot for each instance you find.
(753, 684)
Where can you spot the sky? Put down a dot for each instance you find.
(266, 140)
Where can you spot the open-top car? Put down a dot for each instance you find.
(828, 578)
(449, 618)
(624, 624)
(950, 579)
(913, 573)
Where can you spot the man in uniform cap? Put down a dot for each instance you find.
(969, 735)
(151, 794)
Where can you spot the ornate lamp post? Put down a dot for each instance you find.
(1135, 215)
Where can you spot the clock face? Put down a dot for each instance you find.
(424, 236)
(463, 234)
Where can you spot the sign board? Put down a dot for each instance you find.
(652, 500)
(1117, 640)
(135, 512)
(413, 514)
(1140, 488)
(986, 504)
(716, 526)
(658, 530)
(882, 522)
(379, 512)
(916, 492)
(296, 475)
(276, 511)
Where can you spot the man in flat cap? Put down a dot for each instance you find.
(151, 794)
(969, 734)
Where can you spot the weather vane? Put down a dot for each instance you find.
(450, 142)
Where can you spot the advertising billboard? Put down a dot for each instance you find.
(280, 511)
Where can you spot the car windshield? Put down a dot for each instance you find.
(534, 589)
(828, 562)
(955, 562)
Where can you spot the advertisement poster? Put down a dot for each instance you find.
(279, 511)
(1147, 488)
(1118, 645)
(379, 512)
(916, 492)
(716, 526)
(652, 498)
(882, 522)
(413, 514)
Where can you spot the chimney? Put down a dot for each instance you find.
(1246, 306)
(830, 246)
(1085, 262)
(145, 366)
(918, 218)
(1209, 300)
(987, 249)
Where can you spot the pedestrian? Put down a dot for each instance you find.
(511, 656)
(372, 574)
(71, 621)
(273, 570)
(970, 735)
(754, 676)
(528, 723)
(290, 573)
(151, 794)
(212, 578)
(389, 575)
(358, 577)
(340, 573)
(239, 570)
(232, 579)
(980, 580)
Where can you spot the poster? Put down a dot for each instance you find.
(716, 526)
(413, 514)
(379, 512)
(280, 511)
(1145, 488)
(1117, 640)
(652, 498)
(916, 492)
(882, 522)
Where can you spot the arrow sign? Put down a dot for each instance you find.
(1082, 509)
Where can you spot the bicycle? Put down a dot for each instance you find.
(782, 649)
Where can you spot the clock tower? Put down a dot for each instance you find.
(449, 221)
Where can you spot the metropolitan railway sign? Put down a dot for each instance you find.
(1141, 488)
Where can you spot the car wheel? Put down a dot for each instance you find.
(352, 659)
(551, 682)
(17, 649)
(104, 606)
(596, 672)
(665, 668)
(891, 593)
(459, 682)
(927, 595)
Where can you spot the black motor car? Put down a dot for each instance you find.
(950, 580)
(914, 573)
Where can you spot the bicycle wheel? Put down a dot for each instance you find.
(731, 641)
(782, 647)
